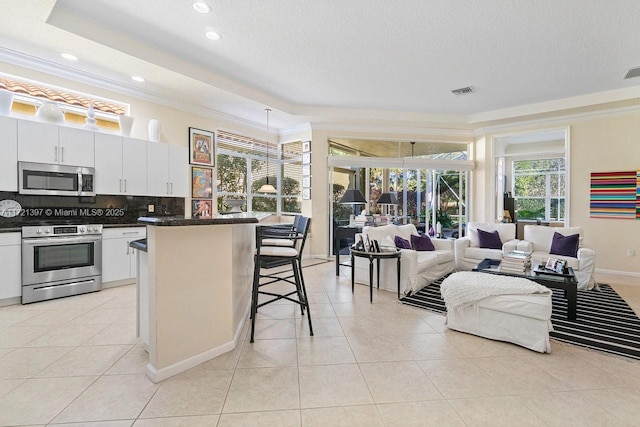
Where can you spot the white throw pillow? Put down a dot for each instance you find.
(387, 242)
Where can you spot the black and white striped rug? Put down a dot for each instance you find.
(605, 321)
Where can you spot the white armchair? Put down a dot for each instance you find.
(417, 268)
(468, 251)
(538, 239)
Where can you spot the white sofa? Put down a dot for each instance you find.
(538, 238)
(417, 268)
(468, 251)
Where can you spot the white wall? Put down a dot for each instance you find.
(602, 142)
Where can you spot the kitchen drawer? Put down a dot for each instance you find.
(133, 233)
(10, 239)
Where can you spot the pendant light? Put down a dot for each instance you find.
(267, 188)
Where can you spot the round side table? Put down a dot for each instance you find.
(374, 256)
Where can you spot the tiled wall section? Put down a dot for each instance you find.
(102, 209)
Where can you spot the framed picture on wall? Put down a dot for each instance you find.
(201, 208)
(306, 146)
(306, 194)
(306, 170)
(306, 181)
(201, 187)
(202, 147)
(306, 158)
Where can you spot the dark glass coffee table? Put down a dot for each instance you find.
(566, 281)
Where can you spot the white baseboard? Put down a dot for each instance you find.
(157, 375)
(10, 301)
(116, 283)
(617, 272)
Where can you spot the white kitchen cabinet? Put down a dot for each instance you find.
(118, 259)
(167, 170)
(179, 171)
(48, 143)
(121, 165)
(134, 166)
(76, 147)
(9, 157)
(10, 267)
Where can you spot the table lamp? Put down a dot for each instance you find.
(387, 199)
(352, 197)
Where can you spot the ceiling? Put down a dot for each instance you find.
(383, 61)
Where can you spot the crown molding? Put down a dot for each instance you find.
(292, 130)
(560, 120)
(466, 134)
(556, 105)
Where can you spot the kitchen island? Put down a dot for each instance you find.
(198, 291)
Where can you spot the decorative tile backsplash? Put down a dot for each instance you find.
(102, 209)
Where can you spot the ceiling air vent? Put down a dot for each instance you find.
(462, 91)
(634, 72)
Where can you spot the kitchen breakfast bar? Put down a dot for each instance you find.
(194, 289)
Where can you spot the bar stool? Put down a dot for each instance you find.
(284, 232)
(278, 254)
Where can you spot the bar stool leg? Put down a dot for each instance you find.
(254, 295)
(304, 301)
(304, 286)
(296, 278)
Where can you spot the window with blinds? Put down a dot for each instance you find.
(243, 166)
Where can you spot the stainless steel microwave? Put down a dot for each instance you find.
(55, 180)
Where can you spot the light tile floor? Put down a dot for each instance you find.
(76, 361)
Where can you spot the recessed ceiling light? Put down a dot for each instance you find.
(212, 35)
(137, 78)
(201, 7)
(69, 56)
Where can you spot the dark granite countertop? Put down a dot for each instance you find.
(139, 244)
(135, 224)
(240, 218)
(11, 230)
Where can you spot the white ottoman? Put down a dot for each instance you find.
(520, 319)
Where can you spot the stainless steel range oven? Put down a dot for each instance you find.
(60, 260)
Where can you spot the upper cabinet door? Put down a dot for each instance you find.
(158, 183)
(9, 157)
(134, 166)
(76, 147)
(38, 142)
(179, 171)
(108, 150)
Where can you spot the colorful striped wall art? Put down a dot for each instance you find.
(638, 195)
(615, 195)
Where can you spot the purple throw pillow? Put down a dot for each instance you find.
(401, 243)
(565, 245)
(489, 240)
(422, 243)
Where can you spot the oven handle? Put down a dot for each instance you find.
(60, 240)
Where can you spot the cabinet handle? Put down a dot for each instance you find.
(127, 243)
(125, 185)
(55, 150)
(61, 154)
(168, 188)
(171, 186)
(120, 185)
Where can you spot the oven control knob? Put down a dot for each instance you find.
(89, 228)
(39, 231)
(81, 229)
(47, 230)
